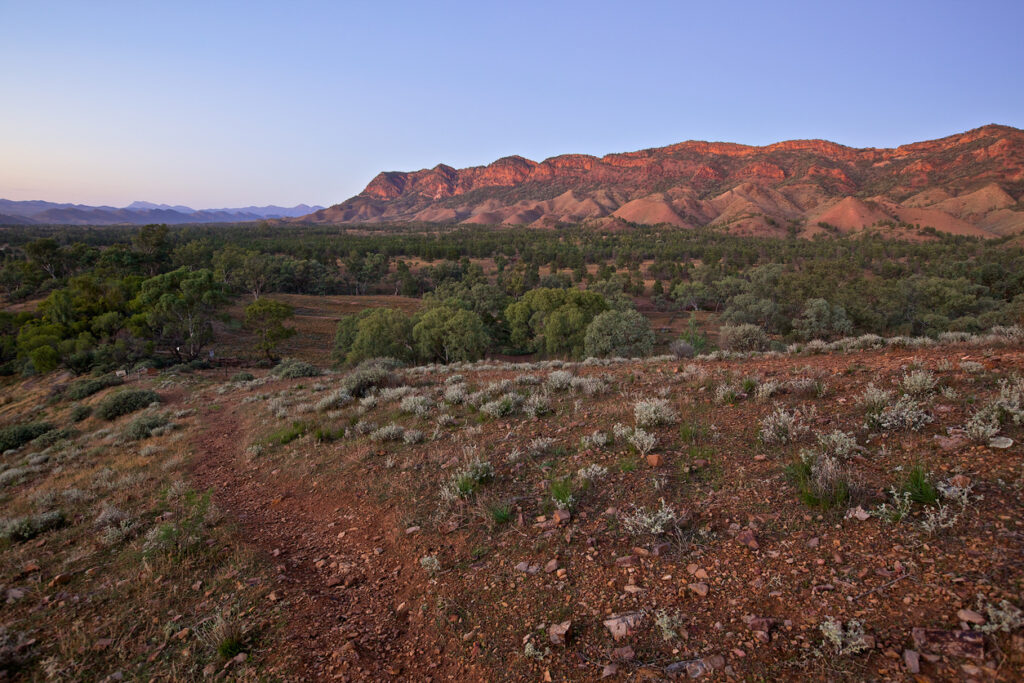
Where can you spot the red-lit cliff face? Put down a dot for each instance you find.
(970, 183)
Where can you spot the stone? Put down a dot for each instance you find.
(1000, 442)
(411, 530)
(970, 616)
(562, 516)
(551, 566)
(609, 670)
(747, 538)
(623, 625)
(627, 561)
(655, 459)
(950, 643)
(700, 589)
(912, 660)
(661, 549)
(523, 567)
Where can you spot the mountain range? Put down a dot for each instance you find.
(136, 213)
(971, 183)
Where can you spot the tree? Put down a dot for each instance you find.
(619, 333)
(821, 320)
(176, 309)
(450, 334)
(382, 333)
(266, 318)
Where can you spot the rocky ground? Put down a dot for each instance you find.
(736, 518)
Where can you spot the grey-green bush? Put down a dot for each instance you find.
(125, 402)
(618, 333)
(744, 337)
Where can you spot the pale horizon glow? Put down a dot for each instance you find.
(230, 104)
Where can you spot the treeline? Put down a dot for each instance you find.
(111, 296)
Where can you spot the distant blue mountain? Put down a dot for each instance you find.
(136, 213)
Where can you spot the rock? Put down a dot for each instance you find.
(661, 549)
(700, 589)
(655, 459)
(970, 616)
(627, 561)
(609, 670)
(747, 538)
(561, 516)
(950, 443)
(623, 625)
(411, 530)
(813, 542)
(551, 566)
(523, 567)
(700, 574)
(858, 513)
(912, 660)
(761, 624)
(15, 594)
(714, 661)
(951, 643)
(1000, 442)
(623, 654)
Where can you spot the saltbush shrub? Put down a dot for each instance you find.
(16, 436)
(125, 402)
(744, 337)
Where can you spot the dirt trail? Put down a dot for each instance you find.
(339, 570)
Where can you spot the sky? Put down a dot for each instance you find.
(219, 104)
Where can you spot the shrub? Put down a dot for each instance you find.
(142, 427)
(559, 380)
(837, 444)
(368, 375)
(781, 426)
(744, 337)
(597, 439)
(80, 412)
(844, 640)
(537, 405)
(292, 368)
(417, 405)
(242, 377)
(562, 493)
(618, 333)
(821, 480)
(502, 407)
(389, 432)
(335, 399)
(26, 528)
(918, 382)
(681, 349)
(464, 482)
(125, 402)
(643, 441)
(874, 400)
(455, 394)
(655, 522)
(17, 436)
(87, 387)
(653, 413)
(592, 473)
(905, 414)
(727, 393)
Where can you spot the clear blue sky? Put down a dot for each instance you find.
(222, 103)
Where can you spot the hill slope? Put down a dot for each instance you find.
(971, 183)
